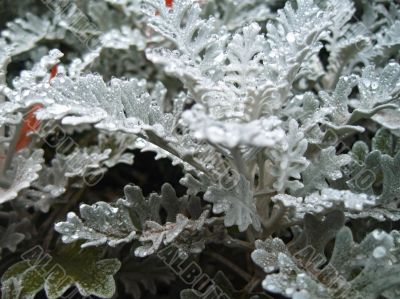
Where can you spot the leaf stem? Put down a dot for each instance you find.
(239, 162)
(52, 219)
(277, 214)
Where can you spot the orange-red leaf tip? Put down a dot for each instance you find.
(29, 124)
(169, 3)
(53, 71)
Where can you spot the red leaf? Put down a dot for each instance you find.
(53, 72)
(168, 3)
(30, 122)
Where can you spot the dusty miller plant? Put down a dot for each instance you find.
(200, 149)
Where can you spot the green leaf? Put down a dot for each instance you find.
(136, 274)
(359, 151)
(11, 289)
(68, 266)
(391, 178)
(365, 174)
(383, 141)
(317, 233)
(171, 203)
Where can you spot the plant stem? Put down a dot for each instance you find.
(240, 243)
(246, 276)
(252, 284)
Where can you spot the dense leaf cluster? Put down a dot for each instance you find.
(282, 119)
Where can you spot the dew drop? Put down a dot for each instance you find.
(290, 37)
(379, 252)
(378, 235)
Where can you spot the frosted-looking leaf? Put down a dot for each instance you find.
(84, 161)
(337, 101)
(350, 200)
(389, 118)
(307, 110)
(120, 222)
(237, 14)
(350, 271)
(317, 232)
(388, 43)
(11, 235)
(325, 201)
(297, 32)
(380, 213)
(195, 185)
(89, 163)
(18, 97)
(244, 65)
(265, 69)
(102, 223)
(40, 72)
(192, 36)
(376, 175)
(108, 223)
(154, 234)
(326, 167)
(119, 144)
(264, 132)
(345, 41)
(86, 100)
(292, 39)
(291, 280)
(5, 59)
(22, 34)
(288, 159)
(237, 203)
(378, 89)
(293, 268)
(266, 253)
(24, 171)
(121, 39)
(376, 252)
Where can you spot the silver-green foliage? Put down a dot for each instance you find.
(284, 117)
